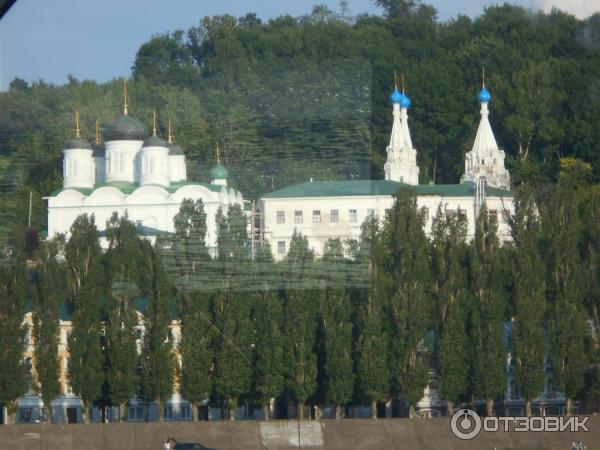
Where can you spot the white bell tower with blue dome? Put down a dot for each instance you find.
(401, 164)
(486, 160)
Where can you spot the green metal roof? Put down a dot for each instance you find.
(128, 188)
(142, 230)
(353, 188)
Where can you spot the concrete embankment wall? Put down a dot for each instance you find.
(421, 434)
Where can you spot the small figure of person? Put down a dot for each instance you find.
(167, 445)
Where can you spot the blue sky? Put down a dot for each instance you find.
(98, 39)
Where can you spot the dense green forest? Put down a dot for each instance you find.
(299, 97)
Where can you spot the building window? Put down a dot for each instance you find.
(425, 213)
(280, 216)
(370, 213)
(387, 212)
(493, 214)
(135, 413)
(335, 216)
(514, 393)
(505, 216)
(297, 217)
(25, 415)
(186, 412)
(168, 413)
(450, 213)
(316, 216)
(281, 247)
(462, 213)
(352, 216)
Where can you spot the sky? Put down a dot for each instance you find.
(98, 39)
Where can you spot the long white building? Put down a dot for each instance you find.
(323, 210)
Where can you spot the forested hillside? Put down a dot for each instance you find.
(300, 97)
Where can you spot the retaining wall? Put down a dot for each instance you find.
(418, 434)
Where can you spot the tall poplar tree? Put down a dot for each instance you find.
(372, 338)
(82, 252)
(406, 269)
(591, 258)
(529, 297)
(127, 271)
(299, 327)
(86, 358)
(335, 322)
(50, 288)
(156, 360)
(267, 317)
(488, 351)
(567, 321)
(450, 294)
(86, 284)
(232, 312)
(191, 272)
(14, 373)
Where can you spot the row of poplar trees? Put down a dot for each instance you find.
(360, 325)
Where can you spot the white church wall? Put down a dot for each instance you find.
(121, 161)
(176, 168)
(154, 167)
(78, 168)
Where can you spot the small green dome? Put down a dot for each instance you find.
(218, 172)
(125, 128)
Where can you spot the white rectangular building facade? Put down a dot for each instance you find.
(323, 210)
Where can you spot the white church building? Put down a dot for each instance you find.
(323, 210)
(136, 174)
